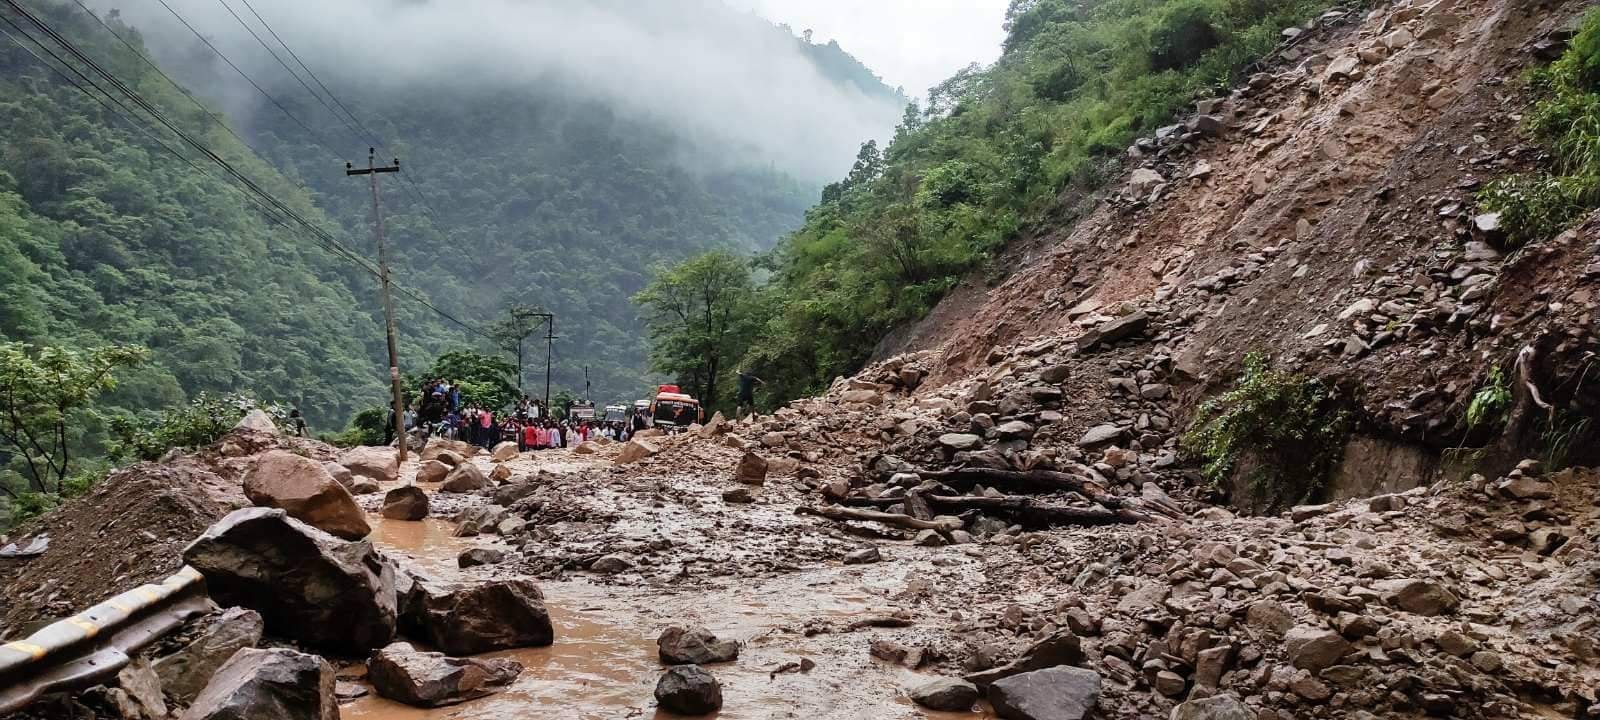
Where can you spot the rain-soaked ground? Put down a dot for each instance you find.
(603, 664)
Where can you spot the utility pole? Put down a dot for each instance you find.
(373, 170)
(549, 352)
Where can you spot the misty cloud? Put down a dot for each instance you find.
(725, 79)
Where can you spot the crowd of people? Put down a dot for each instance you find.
(529, 423)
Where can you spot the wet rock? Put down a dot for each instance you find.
(478, 519)
(278, 683)
(689, 690)
(1216, 707)
(1057, 693)
(1314, 648)
(364, 486)
(679, 645)
(308, 585)
(429, 679)
(504, 452)
(432, 471)
(1058, 648)
(738, 496)
(611, 565)
(635, 450)
(1423, 597)
(863, 556)
(301, 487)
(468, 619)
(944, 694)
(374, 463)
(751, 470)
(407, 502)
(473, 557)
(210, 642)
(465, 478)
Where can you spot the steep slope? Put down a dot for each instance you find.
(1328, 224)
(556, 164)
(106, 237)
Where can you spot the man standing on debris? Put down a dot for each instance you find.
(747, 393)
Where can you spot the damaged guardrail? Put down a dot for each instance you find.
(92, 646)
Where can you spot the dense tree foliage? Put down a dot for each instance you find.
(993, 149)
(45, 395)
(700, 322)
(107, 238)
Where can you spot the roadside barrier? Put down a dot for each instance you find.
(91, 647)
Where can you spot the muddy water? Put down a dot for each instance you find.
(603, 665)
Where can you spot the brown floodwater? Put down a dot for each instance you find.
(603, 664)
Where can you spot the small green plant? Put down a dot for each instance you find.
(1289, 429)
(1490, 402)
(366, 428)
(1561, 434)
(203, 421)
(1565, 120)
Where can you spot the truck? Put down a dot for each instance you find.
(616, 413)
(674, 410)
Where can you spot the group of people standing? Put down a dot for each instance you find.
(529, 424)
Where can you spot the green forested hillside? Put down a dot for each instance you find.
(107, 238)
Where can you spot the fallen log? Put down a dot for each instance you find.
(1026, 509)
(1024, 481)
(835, 512)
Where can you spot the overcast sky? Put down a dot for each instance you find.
(911, 43)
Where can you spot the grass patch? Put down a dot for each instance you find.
(1284, 430)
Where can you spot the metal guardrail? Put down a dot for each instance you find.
(92, 646)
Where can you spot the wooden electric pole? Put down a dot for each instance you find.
(372, 170)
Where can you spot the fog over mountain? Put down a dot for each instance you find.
(723, 79)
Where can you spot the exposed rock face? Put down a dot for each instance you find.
(407, 502)
(307, 492)
(429, 679)
(432, 471)
(374, 463)
(1058, 693)
(308, 585)
(465, 478)
(214, 639)
(463, 619)
(944, 694)
(689, 690)
(679, 645)
(277, 683)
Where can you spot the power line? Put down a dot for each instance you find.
(371, 136)
(272, 204)
(292, 73)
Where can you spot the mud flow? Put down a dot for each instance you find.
(603, 665)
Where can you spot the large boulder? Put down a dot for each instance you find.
(450, 458)
(280, 684)
(432, 471)
(1423, 597)
(340, 473)
(407, 502)
(505, 452)
(309, 586)
(205, 646)
(438, 447)
(944, 694)
(1058, 693)
(468, 619)
(1313, 648)
(304, 489)
(429, 679)
(1059, 648)
(465, 478)
(257, 420)
(689, 690)
(1216, 707)
(751, 470)
(379, 464)
(679, 645)
(635, 450)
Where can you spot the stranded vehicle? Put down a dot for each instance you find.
(672, 410)
(616, 413)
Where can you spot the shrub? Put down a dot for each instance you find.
(1289, 429)
(1490, 402)
(203, 421)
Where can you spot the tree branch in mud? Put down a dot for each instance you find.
(835, 512)
(1036, 481)
(1026, 509)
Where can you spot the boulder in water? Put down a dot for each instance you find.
(1057, 693)
(407, 502)
(679, 645)
(689, 690)
(309, 586)
(432, 471)
(429, 679)
(465, 478)
(468, 619)
(303, 488)
(379, 464)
